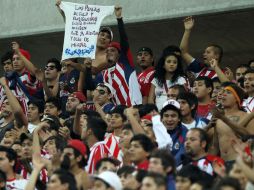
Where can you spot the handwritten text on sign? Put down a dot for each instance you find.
(81, 28)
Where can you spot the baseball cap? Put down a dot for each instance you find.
(108, 30)
(111, 179)
(79, 95)
(147, 49)
(172, 103)
(115, 45)
(54, 123)
(78, 145)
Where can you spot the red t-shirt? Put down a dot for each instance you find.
(204, 110)
(144, 79)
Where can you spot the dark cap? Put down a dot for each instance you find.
(147, 49)
(53, 122)
(107, 30)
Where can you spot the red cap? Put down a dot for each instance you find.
(147, 117)
(115, 45)
(25, 53)
(78, 145)
(79, 95)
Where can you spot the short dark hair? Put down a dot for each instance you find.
(125, 170)
(6, 56)
(10, 153)
(249, 71)
(243, 66)
(167, 160)
(170, 49)
(119, 109)
(111, 160)
(38, 103)
(170, 107)
(191, 172)
(59, 141)
(66, 177)
(228, 181)
(202, 135)
(218, 50)
(147, 108)
(98, 127)
(55, 101)
(191, 99)
(56, 62)
(91, 113)
(208, 82)
(159, 179)
(144, 141)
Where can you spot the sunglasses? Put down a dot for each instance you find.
(50, 67)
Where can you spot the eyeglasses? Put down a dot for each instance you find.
(50, 67)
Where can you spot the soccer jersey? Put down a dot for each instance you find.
(201, 69)
(144, 79)
(122, 76)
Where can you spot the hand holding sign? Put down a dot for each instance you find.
(82, 27)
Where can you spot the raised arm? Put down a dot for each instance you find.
(136, 127)
(14, 103)
(58, 2)
(184, 45)
(76, 124)
(214, 65)
(123, 36)
(28, 64)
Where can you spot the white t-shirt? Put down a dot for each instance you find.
(160, 91)
(16, 184)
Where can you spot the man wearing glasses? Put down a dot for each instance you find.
(102, 97)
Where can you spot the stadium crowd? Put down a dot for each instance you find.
(179, 124)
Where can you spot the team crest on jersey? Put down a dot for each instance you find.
(177, 146)
(72, 81)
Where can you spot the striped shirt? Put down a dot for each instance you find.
(32, 85)
(201, 69)
(98, 151)
(112, 143)
(122, 76)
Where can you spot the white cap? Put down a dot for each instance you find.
(171, 102)
(110, 178)
(112, 90)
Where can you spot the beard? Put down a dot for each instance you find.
(5, 114)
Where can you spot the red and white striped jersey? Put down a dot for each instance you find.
(248, 104)
(98, 151)
(32, 85)
(112, 143)
(125, 83)
(43, 174)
